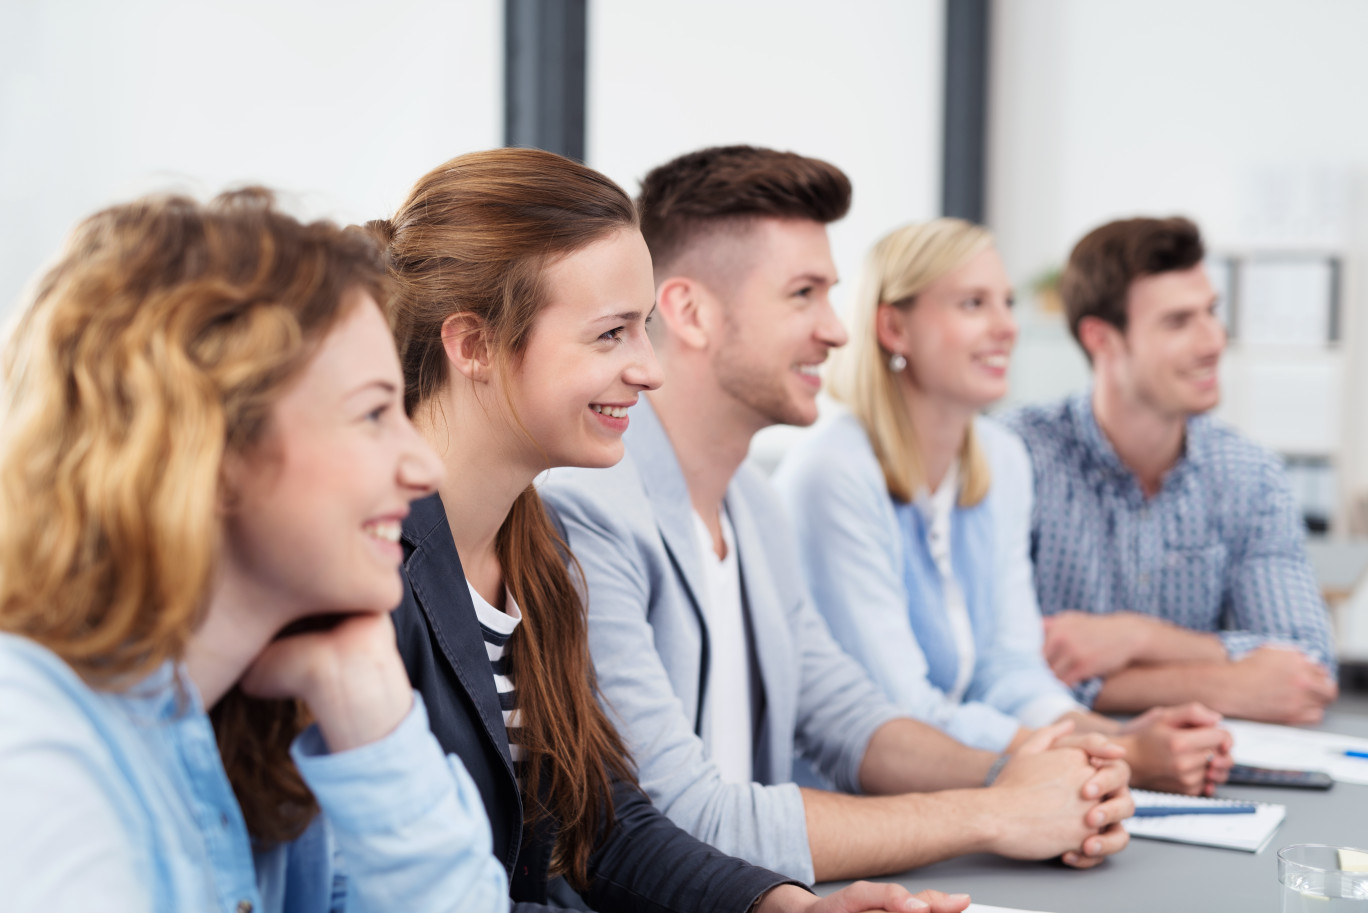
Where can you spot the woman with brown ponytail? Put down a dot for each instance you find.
(523, 288)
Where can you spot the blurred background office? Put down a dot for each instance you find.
(1041, 118)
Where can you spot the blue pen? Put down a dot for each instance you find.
(1157, 811)
(1352, 753)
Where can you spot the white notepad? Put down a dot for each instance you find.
(984, 908)
(1266, 745)
(1250, 833)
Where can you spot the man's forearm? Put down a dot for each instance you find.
(866, 836)
(906, 755)
(1169, 643)
(1138, 688)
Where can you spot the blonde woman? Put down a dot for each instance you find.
(204, 463)
(913, 512)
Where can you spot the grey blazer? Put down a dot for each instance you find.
(632, 530)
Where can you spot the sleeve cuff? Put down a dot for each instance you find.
(1086, 691)
(1047, 708)
(378, 786)
(982, 726)
(1239, 644)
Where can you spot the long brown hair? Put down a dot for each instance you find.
(158, 343)
(475, 236)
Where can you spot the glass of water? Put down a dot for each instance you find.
(1323, 879)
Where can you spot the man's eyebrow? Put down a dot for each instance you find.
(1189, 306)
(814, 279)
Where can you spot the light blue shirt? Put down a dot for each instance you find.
(1220, 548)
(872, 575)
(118, 801)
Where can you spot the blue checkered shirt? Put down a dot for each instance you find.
(1220, 548)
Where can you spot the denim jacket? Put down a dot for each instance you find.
(118, 801)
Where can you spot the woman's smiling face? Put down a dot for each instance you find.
(588, 358)
(959, 333)
(315, 508)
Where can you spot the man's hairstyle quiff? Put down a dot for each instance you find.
(1108, 259)
(700, 192)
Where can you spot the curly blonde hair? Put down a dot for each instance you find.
(158, 343)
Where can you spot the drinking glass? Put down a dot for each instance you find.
(1323, 879)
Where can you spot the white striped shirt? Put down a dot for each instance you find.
(497, 628)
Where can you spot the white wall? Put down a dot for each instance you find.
(857, 83)
(1243, 114)
(343, 103)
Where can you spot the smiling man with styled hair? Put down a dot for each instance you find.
(1169, 554)
(708, 651)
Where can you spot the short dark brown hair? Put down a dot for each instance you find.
(698, 192)
(1108, 259)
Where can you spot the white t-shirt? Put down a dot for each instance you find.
(936, 509)
(727, 707)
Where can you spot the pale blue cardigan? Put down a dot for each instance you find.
(871, 574)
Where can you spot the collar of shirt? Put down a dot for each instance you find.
(936, 507)
(503, 621)
(1101, 452)
(167, 693)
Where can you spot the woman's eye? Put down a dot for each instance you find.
(376, 414)
(970, 304)
(614, 334)
(804, 292)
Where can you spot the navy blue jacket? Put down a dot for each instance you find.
(646, 863)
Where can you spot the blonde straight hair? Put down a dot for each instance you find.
(896, 270)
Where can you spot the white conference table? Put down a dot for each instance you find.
(1152, 876)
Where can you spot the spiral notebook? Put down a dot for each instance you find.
(1250, 833)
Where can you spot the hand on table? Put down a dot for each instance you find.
(1278, 685)
(1178, 749)
(860, 897)
(350, 675)
(1064, 794)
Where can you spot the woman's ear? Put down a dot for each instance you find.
(467, 346)
(890, 324)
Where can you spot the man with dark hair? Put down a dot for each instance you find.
(1169, 556)
(713, 661)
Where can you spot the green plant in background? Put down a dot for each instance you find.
(1045, 288)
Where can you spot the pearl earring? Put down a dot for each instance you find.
(896, 362)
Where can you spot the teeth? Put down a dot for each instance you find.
(612, 411)
(385, 530)
(994, 361)
(810, 370)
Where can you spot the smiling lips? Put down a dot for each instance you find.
(812, 373)
(1203, 377)
(612, 415)
(994, 361)
(384, 532)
